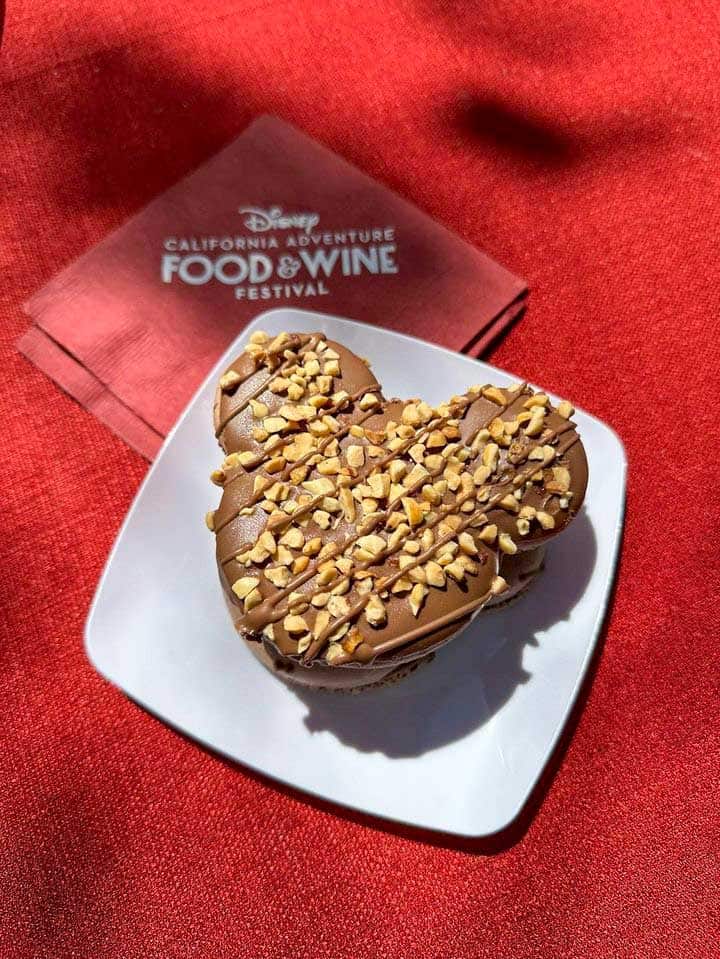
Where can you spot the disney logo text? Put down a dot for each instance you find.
(259, 221)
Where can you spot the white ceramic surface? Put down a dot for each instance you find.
(455, 747)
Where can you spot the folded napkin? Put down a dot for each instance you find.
(132, 327)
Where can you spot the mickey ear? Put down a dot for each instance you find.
(537, 454)
(272, 373)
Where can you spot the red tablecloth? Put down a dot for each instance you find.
(577, 143)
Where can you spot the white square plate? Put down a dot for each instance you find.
(457, 746)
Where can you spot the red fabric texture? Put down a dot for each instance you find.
(116, 336)
(576, 143)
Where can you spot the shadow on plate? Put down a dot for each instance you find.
(472, 678)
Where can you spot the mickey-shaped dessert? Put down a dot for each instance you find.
(356, 535)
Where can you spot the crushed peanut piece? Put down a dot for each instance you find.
(434, 574)
(498, 586)
(244, 586)
(417, 597)
(278, 575)
(494, 394)
(229, 380)
(412, 511)
(375, 611)
(295, 625)
(506, 544)
(355, 456)
(545, 519)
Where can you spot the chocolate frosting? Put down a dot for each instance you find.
(355, 531)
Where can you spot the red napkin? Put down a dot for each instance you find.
(132, 327)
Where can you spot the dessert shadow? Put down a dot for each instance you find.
(471, 678)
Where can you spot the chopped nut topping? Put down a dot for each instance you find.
(375, 611)
(275, 465)
(537, 420)
(499, 586)
(333, 652)
(397, 469)
(229, 380)
(368, 401)
(297, 414)
(537, 399)
(372, 544)
(244, 586)
(253, 599)
(417, 597)
(415, 476)
(278, 575)
(267, 541)
(565, 409)
(352, 641)
(279, 385)
(410, 415)
(355, 456)
(298, 602)
(456, 570)
(295, 625)
(274, 424)
(300, 564)
(278, 344)
(436, 440)
(322, 621)
(490, 456)
(296, 392)
(506, 544)
(284, 556)
(417, 452)
(467, 544)
(330, 466)
(497, 430)
(494, 394)
(338, 606)
(321, 519)
(558, 480)
(319, 487)
(210, 520)
(293, 538)
(348, 504)
(412, 511)
(258, 554)
(545, 519)
(434, 574)
(401, 585)
(380, 485)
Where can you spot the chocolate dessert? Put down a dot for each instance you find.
(356, 535)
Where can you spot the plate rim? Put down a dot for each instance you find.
(582, 673)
